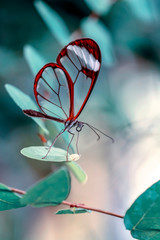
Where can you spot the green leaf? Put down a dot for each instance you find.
(8, 199)
(34, 59)
(95, 29)
(38, 153)
(55, 155)
(99, 6)
(54, 22)
(73, 211)
(77, 171)
(24, 102)
(50, 191)
(143, 217)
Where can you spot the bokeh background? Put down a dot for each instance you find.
(125, 103)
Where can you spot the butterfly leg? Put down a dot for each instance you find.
(77, 143)
(62, 131)
(69, 143)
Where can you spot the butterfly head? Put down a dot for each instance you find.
(74, 124)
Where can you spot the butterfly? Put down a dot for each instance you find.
(62, 89)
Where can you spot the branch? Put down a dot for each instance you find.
(17, 191)
(76, 205)
(90, 208)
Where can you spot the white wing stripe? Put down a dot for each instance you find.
(73, 56)
(85, 58)
(92, 61)
(79, 54)
(97, 66)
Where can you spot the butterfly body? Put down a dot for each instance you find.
(74, 124)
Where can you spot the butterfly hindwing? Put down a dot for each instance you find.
(53, 91)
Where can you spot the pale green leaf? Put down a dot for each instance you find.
(73, 211)
(24, 102)
(77, 171)
(54, 22)
(39, 152)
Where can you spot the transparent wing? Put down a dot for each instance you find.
(82, 60)
(53, 92)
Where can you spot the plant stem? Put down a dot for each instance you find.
(91, 208)
(17, 190)
(76, 205)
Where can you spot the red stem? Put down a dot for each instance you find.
(17, 190)
(91, 208)
(71, 205)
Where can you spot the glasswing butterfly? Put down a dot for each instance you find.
(58, 87)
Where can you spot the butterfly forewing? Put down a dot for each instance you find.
(82, 60)
(53, 91)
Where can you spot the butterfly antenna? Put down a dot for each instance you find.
(95, 131)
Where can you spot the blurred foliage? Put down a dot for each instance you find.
(17, 25)
(100, 6)
(101, 35)
(54, 22)
(134, 32)
(24, 102)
